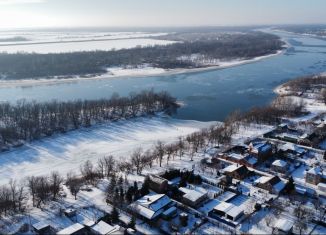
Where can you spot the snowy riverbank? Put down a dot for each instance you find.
(65, 153)
(142, 71)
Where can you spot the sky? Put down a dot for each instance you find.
(136, 13)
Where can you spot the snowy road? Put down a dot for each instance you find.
(65, 153)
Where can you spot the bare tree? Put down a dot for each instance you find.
(74, 184)
(160, 151)
(55, 183)
(137, 159)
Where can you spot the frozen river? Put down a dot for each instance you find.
(208, 95)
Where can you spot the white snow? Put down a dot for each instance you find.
(279, 163)
(46, 37)
(71, 229)
(65, 153)
(135, 71)
(64, 47)
(104, 228)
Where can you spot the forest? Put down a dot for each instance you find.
(227, 47)
(29, 120)
(315, 84)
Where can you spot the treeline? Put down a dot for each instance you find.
(306, 83)
(316, 84)
(272, 114)
(245, 45)
(29, 120)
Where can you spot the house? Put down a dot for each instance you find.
(227, 210)
(193, 197)
(42, 228)
(250, 155)
(158, 184)
(236, 171)
(151, 206)
(73, 230)
(283, 226)
(235, 154)
(279, 166)
(273, 184)
(104, 229)
(292, 150)
(315, 175)
(261, 149)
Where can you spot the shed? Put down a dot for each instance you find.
(104, 228)
(284, 226)
(42, 227)
(72, 229)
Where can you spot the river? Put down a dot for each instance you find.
(207, 95)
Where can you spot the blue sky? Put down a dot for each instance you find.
(101, 13)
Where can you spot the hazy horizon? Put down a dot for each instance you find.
(153, 13)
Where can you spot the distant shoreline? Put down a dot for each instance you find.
(50, 81)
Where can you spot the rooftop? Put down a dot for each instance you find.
(279, 163)
(151, 205)
(71, 229)
(192, 194)
(41, 225)
(284, 224)
(104, 228)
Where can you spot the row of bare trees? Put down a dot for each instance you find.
(42, 189)
(31, 120)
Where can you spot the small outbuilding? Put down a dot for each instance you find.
(279, 166)
(74, 229)
(105, 228)
(284, 226)
(42, 227)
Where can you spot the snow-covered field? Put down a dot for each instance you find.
(65, 153)
(10, 37)
(138, 71)
(57, 42)
(61, 47)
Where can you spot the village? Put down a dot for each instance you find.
(268, 179)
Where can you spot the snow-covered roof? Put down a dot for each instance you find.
(229, 209)
(157, 179)
(192, 194)
(251, 159)
(41, 225)
(104, 228)
(223, 206)
(226, 196)
(278, 187)
(263, 179)
(262, 147)
(293, 147)
(316, 170)
(235, 211)
(231, 168)
(170, 211)
(71, 229)
(151, 205)
(284, 224)
(236, 156)
(279, 163)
